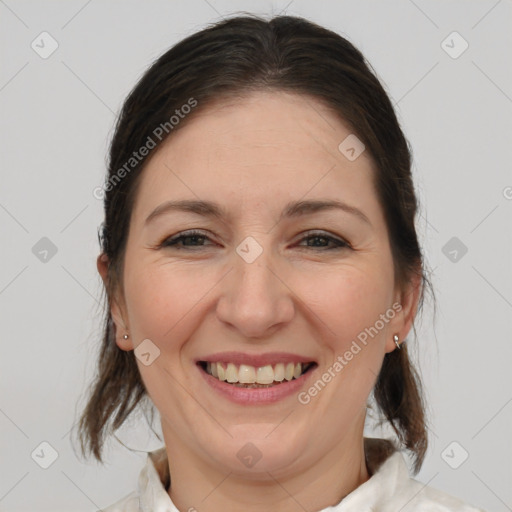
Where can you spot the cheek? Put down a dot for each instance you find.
(163, 301)
(348, 300)
(163, 298)
(164, 305)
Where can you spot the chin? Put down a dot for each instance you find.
(257, 449)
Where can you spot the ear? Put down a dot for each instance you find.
(117, 312)
(405, 306)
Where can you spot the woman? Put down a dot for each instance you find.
(262, 271)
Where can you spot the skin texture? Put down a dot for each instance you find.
(252, 156)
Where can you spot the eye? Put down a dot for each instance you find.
(186, 239)
(194, 238)
(324, 240)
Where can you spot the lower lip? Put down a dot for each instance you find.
(256, 396)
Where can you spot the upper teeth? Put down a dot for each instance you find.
(246, 374)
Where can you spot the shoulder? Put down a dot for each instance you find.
(150, 493)
(418, 497)
(129, 503)
(390, 487)
(411, 495)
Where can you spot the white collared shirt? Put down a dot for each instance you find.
(389, 489)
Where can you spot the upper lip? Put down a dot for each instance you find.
(256, 360)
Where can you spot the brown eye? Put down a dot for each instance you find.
(321, 240)
(186, 239)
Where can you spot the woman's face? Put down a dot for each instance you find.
(270, 279)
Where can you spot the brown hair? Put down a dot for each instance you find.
(234, 57)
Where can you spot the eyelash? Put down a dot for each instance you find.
(174, 240)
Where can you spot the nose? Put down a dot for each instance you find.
(255, 299)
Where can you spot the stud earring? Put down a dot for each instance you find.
(395, 338)
(125, 337)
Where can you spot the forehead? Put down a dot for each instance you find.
(263, 148)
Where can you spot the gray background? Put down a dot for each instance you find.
(57, 118)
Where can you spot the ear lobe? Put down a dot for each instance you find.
(404, 319)
(123, 344)
(120, 329)
(115, 310)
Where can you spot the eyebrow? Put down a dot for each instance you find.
(292, 209)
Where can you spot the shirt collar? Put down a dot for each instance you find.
(387, 468)
(152, 482)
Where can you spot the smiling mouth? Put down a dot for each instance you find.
(246, 376)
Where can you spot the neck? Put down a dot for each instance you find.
(195, 484)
